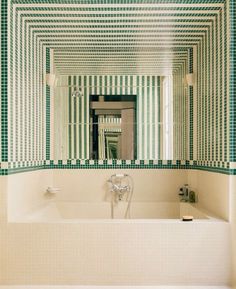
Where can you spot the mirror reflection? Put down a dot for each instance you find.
(135, 121)
(112, 133)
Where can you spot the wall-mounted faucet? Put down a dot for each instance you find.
(118, 187)
(187, 195)
(122, 191)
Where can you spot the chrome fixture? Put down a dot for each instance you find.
(51, 192)
(121, 190)
(187, 195)
(77, 93)
(51, 79)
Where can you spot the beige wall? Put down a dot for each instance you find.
(233, 224)
(26, 192)
(212, 190)
(217, 193)
(3, 218)
(91, 185)
(3, 200)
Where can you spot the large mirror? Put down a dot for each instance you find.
(135, 121)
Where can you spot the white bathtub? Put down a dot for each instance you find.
(84, 246)
(75, 211)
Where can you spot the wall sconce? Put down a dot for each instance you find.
(51, 79)
(184, 81)
(190, 79)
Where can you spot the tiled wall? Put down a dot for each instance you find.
(25, 129)
(147, 91)
(73, 113)
(232, 80)
(181, 114)
(213, 93)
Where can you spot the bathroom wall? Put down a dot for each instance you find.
(24, 139)
(149, 185)
(233, 224)
(3, 220)
(3, 198)
(26, 106)
(213, 191)
(26, 192)
(212, 93)
(232, 10)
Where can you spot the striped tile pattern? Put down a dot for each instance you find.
(232, 83)
(113, 38)
(74, 112)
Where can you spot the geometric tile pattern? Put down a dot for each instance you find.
(73, 113)
(117, 38)
(232, 80)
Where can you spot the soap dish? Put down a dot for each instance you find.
(187, 218)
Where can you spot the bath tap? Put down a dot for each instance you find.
(186, 195)
(121, 190)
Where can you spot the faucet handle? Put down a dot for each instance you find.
(192, 197)
(181, 192)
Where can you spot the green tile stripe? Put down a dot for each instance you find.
(48, 132)
(232, 80)
(85, 164)
(121, 2)
(180, 108)
(190, 92)
(190, 122)
(4, 81)
(220, 89)
(226, 92)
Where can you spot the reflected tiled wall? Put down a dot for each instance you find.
(148, 99)
(73, 113)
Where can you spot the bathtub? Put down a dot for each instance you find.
(76, 211)
(84, 246)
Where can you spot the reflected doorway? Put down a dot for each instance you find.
(112, 127)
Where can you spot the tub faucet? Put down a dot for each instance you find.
(120, 190)
(186, 195)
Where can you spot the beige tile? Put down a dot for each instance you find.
(213, 191)
(91, 185)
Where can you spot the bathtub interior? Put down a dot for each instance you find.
(58, 211)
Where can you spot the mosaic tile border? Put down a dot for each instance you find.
(218, 167)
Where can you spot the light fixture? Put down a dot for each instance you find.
(190, 79)
(50, 79)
